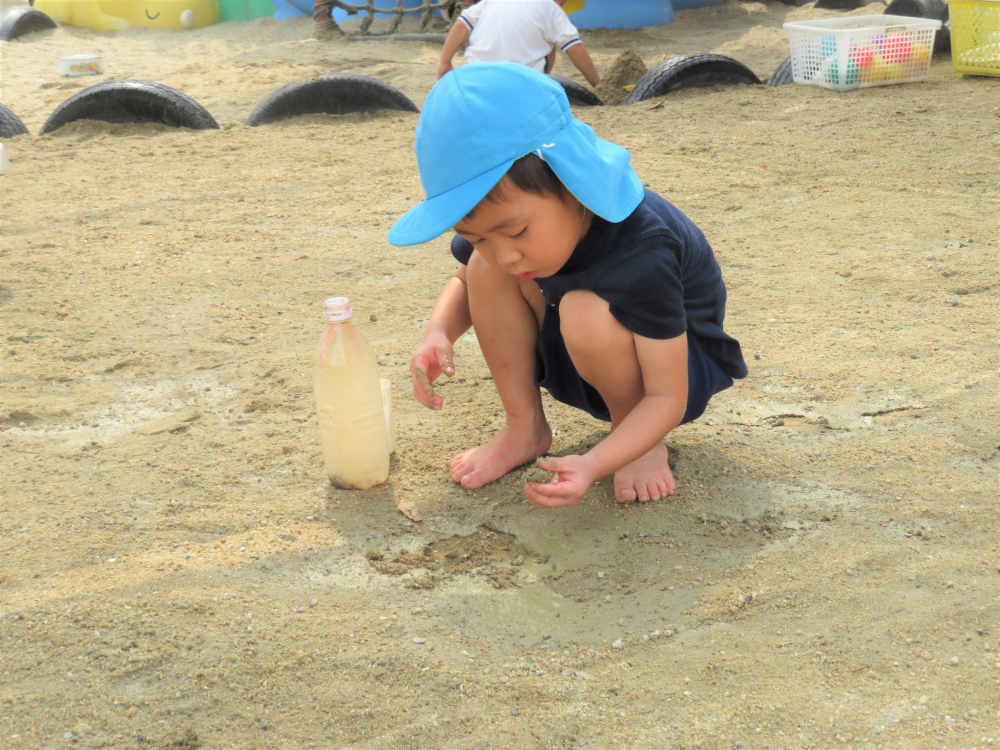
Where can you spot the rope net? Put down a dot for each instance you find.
(325, 26)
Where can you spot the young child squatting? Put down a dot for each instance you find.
(519, 31)
(576, 279)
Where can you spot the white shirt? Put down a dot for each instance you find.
(517, 31)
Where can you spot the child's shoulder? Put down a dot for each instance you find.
(656, 216)
(546, 9)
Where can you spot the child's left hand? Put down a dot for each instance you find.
(573, 477)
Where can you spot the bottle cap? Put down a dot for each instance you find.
(338, 309)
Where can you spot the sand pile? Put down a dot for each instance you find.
(626, 70)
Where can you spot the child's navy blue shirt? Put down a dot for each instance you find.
(657, 272)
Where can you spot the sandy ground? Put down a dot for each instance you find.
(176, 572)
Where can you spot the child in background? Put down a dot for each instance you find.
(575, 278)
(519, 31)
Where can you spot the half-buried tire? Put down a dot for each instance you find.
(782, 74)
(843, 4)
(10, 124)
(578, 93)
(132, 101)
(691, 71)
(20, 21)
(330, 94)
(933, 9)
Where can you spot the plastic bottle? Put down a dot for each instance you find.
(349, 401)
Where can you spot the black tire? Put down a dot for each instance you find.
(841, 4)
(577, 93)
(329, 94)
(917, 8)
(934, 9)
(20, 21)
(10, 124)
(782, 74)
(132, 101)
(691, 71)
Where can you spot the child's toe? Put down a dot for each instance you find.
(459, 468)
(473, 480)
(625, 493)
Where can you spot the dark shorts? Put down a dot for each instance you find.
(556, 373)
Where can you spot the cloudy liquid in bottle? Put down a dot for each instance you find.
(349, 401)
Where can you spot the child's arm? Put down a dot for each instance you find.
(449, 319)
(455, 39)
(664, 375)
(581, 59)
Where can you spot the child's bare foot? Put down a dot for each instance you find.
(646, 478)
(512, 446)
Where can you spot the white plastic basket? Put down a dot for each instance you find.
(859, 51)
(81, 65)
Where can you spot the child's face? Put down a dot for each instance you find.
(525, 234)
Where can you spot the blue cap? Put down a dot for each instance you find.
(479, 119)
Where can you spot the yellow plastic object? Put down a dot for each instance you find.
(109, 15)
(975, 36)
(921, 52)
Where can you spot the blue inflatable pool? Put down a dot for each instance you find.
(611, 14)
(626, 14)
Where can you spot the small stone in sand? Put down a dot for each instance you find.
(618, 643)
(410, 509)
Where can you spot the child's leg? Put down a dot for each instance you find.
(603, 351)
(506, 314)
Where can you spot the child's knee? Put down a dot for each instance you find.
(587, 325)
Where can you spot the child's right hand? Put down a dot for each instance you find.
(432, 358)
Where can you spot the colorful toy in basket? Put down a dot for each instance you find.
(108, 15)
(853, 52)
(897, 48)
(862, 56)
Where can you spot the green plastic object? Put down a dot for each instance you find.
(244, 10)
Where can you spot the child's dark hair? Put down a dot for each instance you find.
(530, 174)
